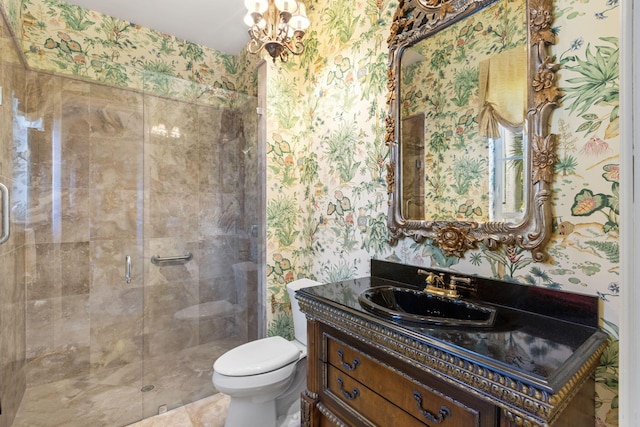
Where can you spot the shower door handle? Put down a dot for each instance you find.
(5, 214)
(127, 268)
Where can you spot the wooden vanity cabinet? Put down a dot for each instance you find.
(359, 385)
(354, 383)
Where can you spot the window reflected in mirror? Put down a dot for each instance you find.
(413, 154)
(507, 175)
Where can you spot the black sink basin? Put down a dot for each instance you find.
(417, 307)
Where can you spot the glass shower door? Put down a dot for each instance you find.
(80, 145)
(201, 297)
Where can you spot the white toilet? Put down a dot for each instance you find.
(264, 378)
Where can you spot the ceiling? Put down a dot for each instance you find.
(217, 24)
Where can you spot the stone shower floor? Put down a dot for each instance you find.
(113, 398)
(208, 412)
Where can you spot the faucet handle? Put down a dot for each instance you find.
(462, 282)
(432, 277)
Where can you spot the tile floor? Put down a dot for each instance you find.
(112, 397)
(208, 412)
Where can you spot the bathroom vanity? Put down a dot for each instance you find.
(532, 367)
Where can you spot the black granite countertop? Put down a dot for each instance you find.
(539, 343)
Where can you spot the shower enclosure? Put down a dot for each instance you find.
(102, 181)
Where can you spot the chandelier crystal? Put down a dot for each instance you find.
(276, 26)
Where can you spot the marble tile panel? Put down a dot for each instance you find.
(208, 121)
(116, 340)
(231, 124)
(218, 288)
(11, 281)
(107, 95)
(12, 335)
(172, 214)
(12, 284)
(59, 216)
(48, 272)
(175, 390)
(57, 338)
(219, 214)
(171, 167)
(116, 163)
(209, 412)
(12, 328)
(108, 265)
(79, 403)
(61, 269)
(116, 306)
(56, 364)
(115, 121)
(115, 214)
(232, 168)
(129, 375)
(39, 326)
(10, 55)
(12, 389)
(72, 217)
(212, 330)
(75, 268)
(73, 87)
(71, 163)
(164, 330)
(170, 114)
(39, 213)
(209, 166)
(72, 322)
(173, 271)
(183, 376)
(74, 109)
(175, 418)
(221, 252)
(39, 158)
(42, 99)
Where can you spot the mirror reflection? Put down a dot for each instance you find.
(463, 105)
(471, 90)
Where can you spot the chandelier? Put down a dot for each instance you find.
(276, 26)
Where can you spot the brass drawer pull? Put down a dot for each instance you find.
(348, 367)
(442, 414)
(349, 396)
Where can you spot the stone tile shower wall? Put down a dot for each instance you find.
(103, 181)
(13, 252)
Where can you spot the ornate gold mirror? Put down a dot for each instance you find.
(471, 88)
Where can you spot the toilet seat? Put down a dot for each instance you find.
(257, 357)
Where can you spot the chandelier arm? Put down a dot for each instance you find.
(295, 46)
(271, 32)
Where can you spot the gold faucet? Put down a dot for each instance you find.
(436, 286)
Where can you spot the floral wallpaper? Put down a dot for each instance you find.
(327, 200)
(326, 157)
(67, 39)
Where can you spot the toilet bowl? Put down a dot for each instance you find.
(265, 377)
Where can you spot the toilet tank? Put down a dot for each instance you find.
(299, 320)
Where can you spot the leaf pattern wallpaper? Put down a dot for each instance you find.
(59, 37)
(326, 157)
(334, 136)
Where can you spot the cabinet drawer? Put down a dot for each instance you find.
(365, 402)
(423, 402)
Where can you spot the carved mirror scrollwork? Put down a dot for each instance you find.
(453, 151)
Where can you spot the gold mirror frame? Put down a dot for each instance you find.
(416, 20)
